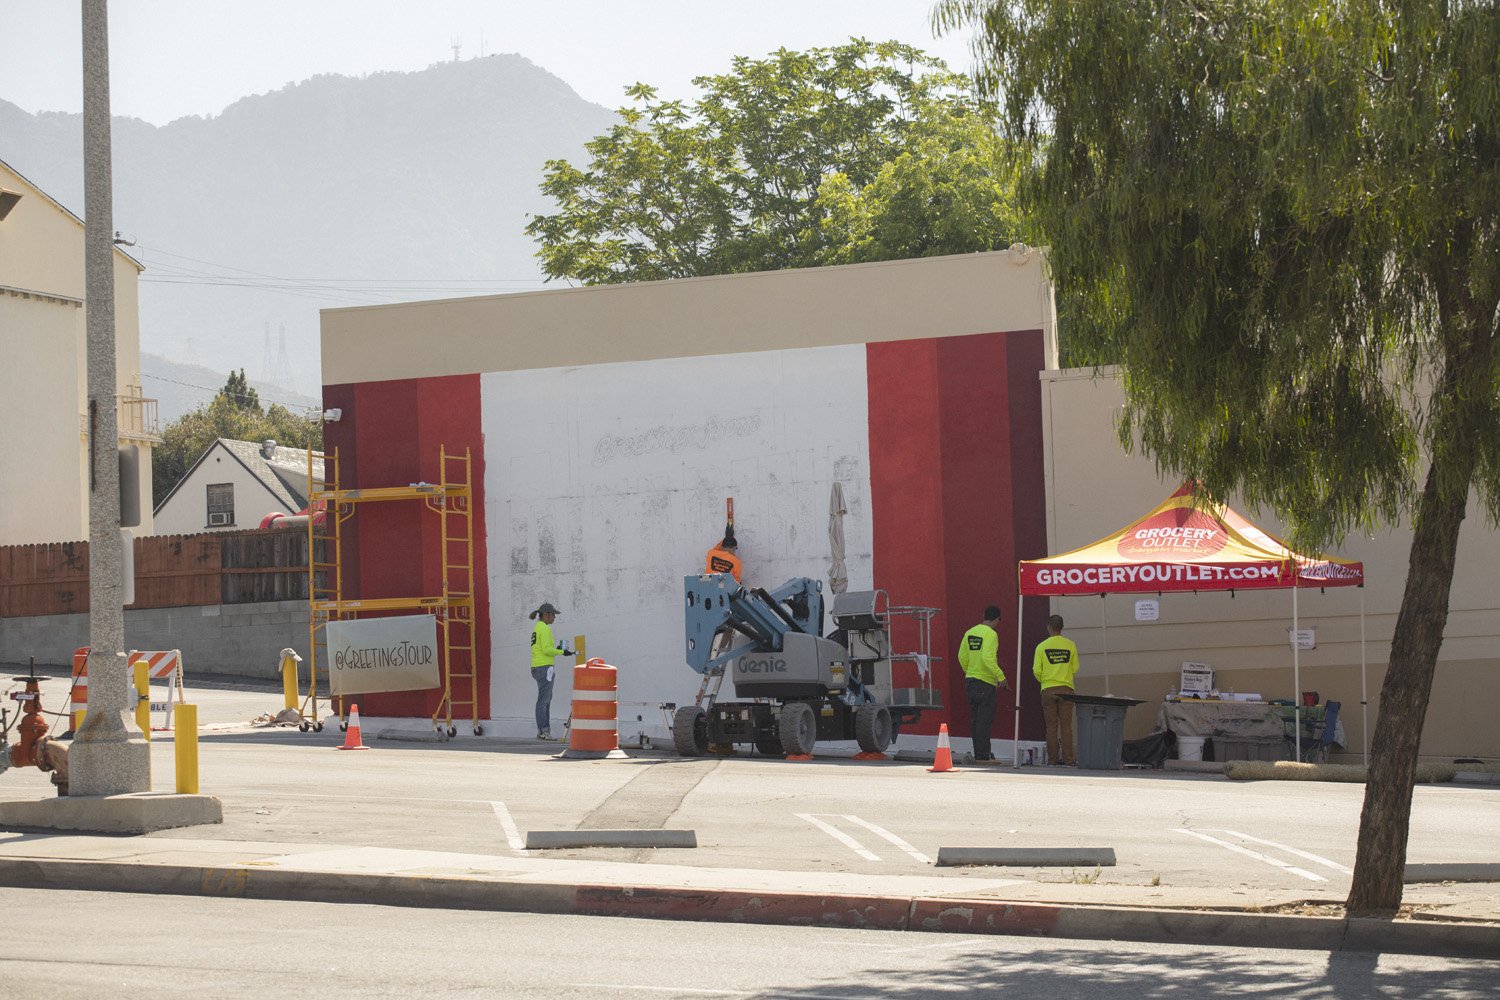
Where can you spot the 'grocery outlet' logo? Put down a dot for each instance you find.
(1181, 533)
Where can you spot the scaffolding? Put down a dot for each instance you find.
(451, 499)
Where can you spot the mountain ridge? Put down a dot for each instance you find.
(331, 191)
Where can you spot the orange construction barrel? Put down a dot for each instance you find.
(79, 700)
(594, 731)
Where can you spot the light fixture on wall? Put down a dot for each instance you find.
(333, 415)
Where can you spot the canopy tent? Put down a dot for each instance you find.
(1189, 544)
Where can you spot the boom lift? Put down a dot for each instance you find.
(796, 686)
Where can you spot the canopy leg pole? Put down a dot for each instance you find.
(1364, 691)
(1296, 680)
(1104, 628)
(1015, 736)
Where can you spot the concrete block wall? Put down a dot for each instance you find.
(241, 640)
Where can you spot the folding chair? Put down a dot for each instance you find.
(1317, 746)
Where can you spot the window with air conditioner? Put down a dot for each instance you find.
(220, 505)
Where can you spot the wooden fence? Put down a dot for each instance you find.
(170, 571)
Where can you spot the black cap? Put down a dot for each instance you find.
(546, 609)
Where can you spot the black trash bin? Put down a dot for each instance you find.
(1101, 729)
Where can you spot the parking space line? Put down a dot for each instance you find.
(1314, 858)
(1311, 876)
(886, 834)
(512, 835)
(840, 836)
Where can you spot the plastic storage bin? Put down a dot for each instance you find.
(1243, 749)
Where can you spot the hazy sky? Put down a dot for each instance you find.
(171, 58)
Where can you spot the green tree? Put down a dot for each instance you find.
(237, 390)
(1283, 218)
(859, 152)
(234, 413)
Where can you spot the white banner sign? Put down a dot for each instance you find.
(1147, 611)
(383, 654)
(1304, 638)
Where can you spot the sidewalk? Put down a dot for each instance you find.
(528, 883)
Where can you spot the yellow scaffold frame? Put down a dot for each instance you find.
(451, 499)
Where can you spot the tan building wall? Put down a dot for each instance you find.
(1094, 488)
(43, 381)
(691, 317)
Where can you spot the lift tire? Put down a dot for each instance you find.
(317, 727)
(873, 728)
(304, 726)
(478, 730)
(797, 727)
(690, 731)
(452, 731)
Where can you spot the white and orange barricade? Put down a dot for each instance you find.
(79, 698)
(594, 729)
(162, 664)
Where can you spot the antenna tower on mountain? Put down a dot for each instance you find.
(458, 43)
(284, 375)
(265, 352)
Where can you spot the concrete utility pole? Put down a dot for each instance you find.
(110, 755)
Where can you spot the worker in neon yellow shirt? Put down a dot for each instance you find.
(978, 654)
(544, 652)
(1055, 663)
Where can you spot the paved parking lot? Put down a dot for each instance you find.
(1189, 839)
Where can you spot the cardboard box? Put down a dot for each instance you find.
(1197, 678)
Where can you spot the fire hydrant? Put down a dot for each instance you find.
(34, 748)
(32, 728)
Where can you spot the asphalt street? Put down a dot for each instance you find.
(79, 944)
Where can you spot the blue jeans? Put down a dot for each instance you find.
(543, 678)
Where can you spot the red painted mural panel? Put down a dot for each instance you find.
(394, 549)
(906, 493)
(956, 484)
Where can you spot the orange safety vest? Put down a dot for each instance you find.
(723, 561)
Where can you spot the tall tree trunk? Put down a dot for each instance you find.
(1380, 862)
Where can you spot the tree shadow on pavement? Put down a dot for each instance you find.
(1062, 970)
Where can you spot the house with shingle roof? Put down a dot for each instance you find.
(236, 484)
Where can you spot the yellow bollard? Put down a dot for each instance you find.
(186, 736)
(578, 648)
(289, 690)
(143, 697)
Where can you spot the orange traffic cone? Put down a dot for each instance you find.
(351, 738)
(943, 760)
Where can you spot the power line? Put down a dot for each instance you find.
(245, 396)
(316, 287)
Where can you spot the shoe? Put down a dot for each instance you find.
(544, 736)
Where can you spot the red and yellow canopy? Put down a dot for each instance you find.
(1179, 547)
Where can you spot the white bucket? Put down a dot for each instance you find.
(1190, 747)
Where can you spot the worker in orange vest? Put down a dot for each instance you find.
(722, 558)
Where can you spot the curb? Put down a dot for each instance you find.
(896, 913)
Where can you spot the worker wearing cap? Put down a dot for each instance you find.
(544, 651)
(978, 654)
(723, 558)
(1055, 663)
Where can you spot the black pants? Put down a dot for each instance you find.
(982, 708)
